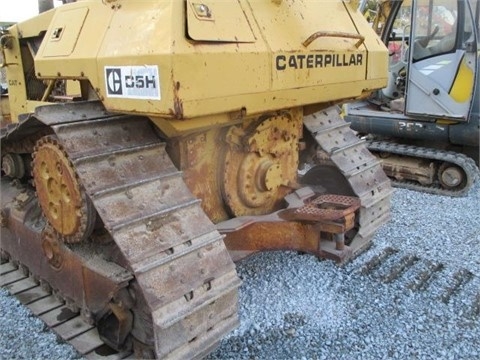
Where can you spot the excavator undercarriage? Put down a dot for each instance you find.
(425, 125)
(429, 170)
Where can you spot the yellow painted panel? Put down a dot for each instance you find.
(377, 65)
(317, 68)
(218, 20)
(64, 32)
(463, 84)
(202, 78)
(33, 26)
(143, 33)
(81, 62)
(286, 25)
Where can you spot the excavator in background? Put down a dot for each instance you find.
(154, 143)
(424, 126)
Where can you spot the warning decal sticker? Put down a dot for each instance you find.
(134, 82)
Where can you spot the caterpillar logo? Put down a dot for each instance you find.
(114, 82)
(135, 82)
(311, 61)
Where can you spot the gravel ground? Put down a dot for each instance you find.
(296, 307)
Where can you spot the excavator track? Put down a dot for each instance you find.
(358, 167)
(471, 172)
(181, 267)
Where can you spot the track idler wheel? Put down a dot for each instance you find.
(63, 200)
(327, 179)
(451, 176)
(13, 166)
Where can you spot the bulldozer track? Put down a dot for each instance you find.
(147, 198)
(360, 168)
(185, 273)
(444, 283)
(464, 162)
(54, 312)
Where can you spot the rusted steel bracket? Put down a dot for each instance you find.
(90, 281)
(320, 34)
(311, 223)
(116, 326)
(6, 42)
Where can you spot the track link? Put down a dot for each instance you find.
(464, 162)
(175, 254)
(178, 258)
(449, 285)
(360, 168)
(55, 313)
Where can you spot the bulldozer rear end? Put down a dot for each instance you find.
(154, 142)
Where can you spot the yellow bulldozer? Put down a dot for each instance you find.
(154, 143)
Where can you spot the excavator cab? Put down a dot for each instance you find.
(433, 54)
(431, 101)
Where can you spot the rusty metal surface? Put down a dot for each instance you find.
(68, 324)
(279, 235)
(172, 256)
(177, 257)
(320, 225)
(173, 273)
(30, 129)
(361, 169)
(59, 193)
(70, 112)
(403, 168)
(183, 273)
(73, 274)
(310, 224)
(198, 157)
(260, 164)
(329, 207)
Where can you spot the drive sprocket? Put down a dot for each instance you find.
(62, 199)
